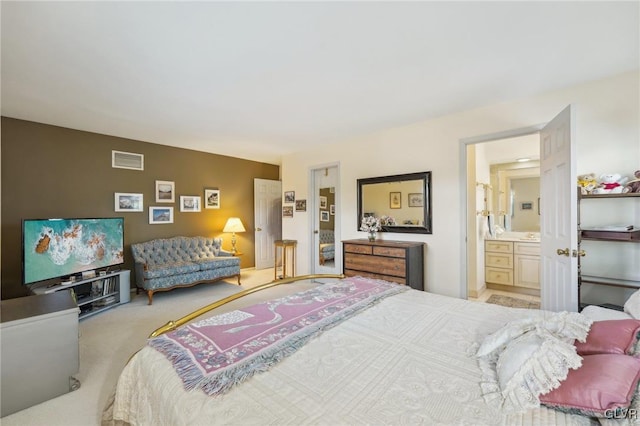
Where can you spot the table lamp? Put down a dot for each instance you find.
(233, 225)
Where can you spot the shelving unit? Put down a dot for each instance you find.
(623, 237)
(96, 294)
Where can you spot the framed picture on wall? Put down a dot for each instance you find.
(323, 202)
(126, 202)
(160, 215)
(416, 200)
(165, 191)
(332, 209)
(526, 205)
(190, 203)
(289, 196)
(324, 216)
(395, 200)
(211, 198)
(301, 205)
(287, 211)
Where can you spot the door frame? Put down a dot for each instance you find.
(313, 208)
(464, 191)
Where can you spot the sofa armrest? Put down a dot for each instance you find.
(225, 253)
(139, 269)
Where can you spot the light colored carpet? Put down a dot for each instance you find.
(109, 339)
(512, 302)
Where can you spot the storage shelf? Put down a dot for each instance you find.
(115, 283)
(618, 236)
(605, 235)
(627, 195)
(85, 301)
(614, 282)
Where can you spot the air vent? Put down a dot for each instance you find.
(127, 160)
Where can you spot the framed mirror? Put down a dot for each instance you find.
(402, 202)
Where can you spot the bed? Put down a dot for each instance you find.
(405, 359)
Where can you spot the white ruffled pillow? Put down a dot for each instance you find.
(632, 305)
(530, 357)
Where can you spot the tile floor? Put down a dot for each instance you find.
(488, 292)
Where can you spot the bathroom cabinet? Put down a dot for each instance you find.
(512, 263)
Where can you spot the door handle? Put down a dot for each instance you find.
(580, 253)
(258, 229)
(315, 232)
(564, 252)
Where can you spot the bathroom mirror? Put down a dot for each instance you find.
(404, 200)
(516, 196)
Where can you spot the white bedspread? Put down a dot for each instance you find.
(403, 361)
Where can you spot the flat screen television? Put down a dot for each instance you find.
(59, 248)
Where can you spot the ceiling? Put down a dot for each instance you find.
(259, 80)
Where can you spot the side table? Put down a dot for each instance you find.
(285, 249)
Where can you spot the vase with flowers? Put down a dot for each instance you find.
(370, 224)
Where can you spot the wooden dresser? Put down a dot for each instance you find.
(398, 261)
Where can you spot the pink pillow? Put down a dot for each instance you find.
(604, 383)
(611, 337)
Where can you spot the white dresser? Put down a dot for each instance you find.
(39, 349)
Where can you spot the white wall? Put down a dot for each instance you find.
(607, 123)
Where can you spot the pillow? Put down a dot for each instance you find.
(611, 337)
(533, 364)
(632, 305)
(528, 357)
(565, 325)
(598, 313)
(603, 386)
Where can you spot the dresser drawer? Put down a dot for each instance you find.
(498, 246)
(532, 249)
(358, 248)
(353, 273)
(498, 260)
(375, 264)
(499, 276)
(389, 251)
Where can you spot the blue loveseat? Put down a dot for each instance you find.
(164, 264)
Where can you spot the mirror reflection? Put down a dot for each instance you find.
(516, 196)
(327, 226)
(401, 202)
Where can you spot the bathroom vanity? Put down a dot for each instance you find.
(513, 262)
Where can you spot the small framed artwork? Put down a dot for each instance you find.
(332, 189)
(323, 202)
(211, 198)
(126, 202)
(287, 211)
(301, 205)
(190, 203)
(289, 196)
(332, 209)
(160, 215)
(395, 200)
(324, 216)
(526, 205)
(165, 191)
(415, 200)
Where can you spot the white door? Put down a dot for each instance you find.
(325, 221)
(267, 206)
(559, 216)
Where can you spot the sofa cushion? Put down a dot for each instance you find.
(220, 262)
(156, 271)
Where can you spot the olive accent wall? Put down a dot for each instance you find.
(50, 171)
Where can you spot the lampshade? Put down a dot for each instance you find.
(234, 224)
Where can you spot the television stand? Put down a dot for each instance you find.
(96, 294)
